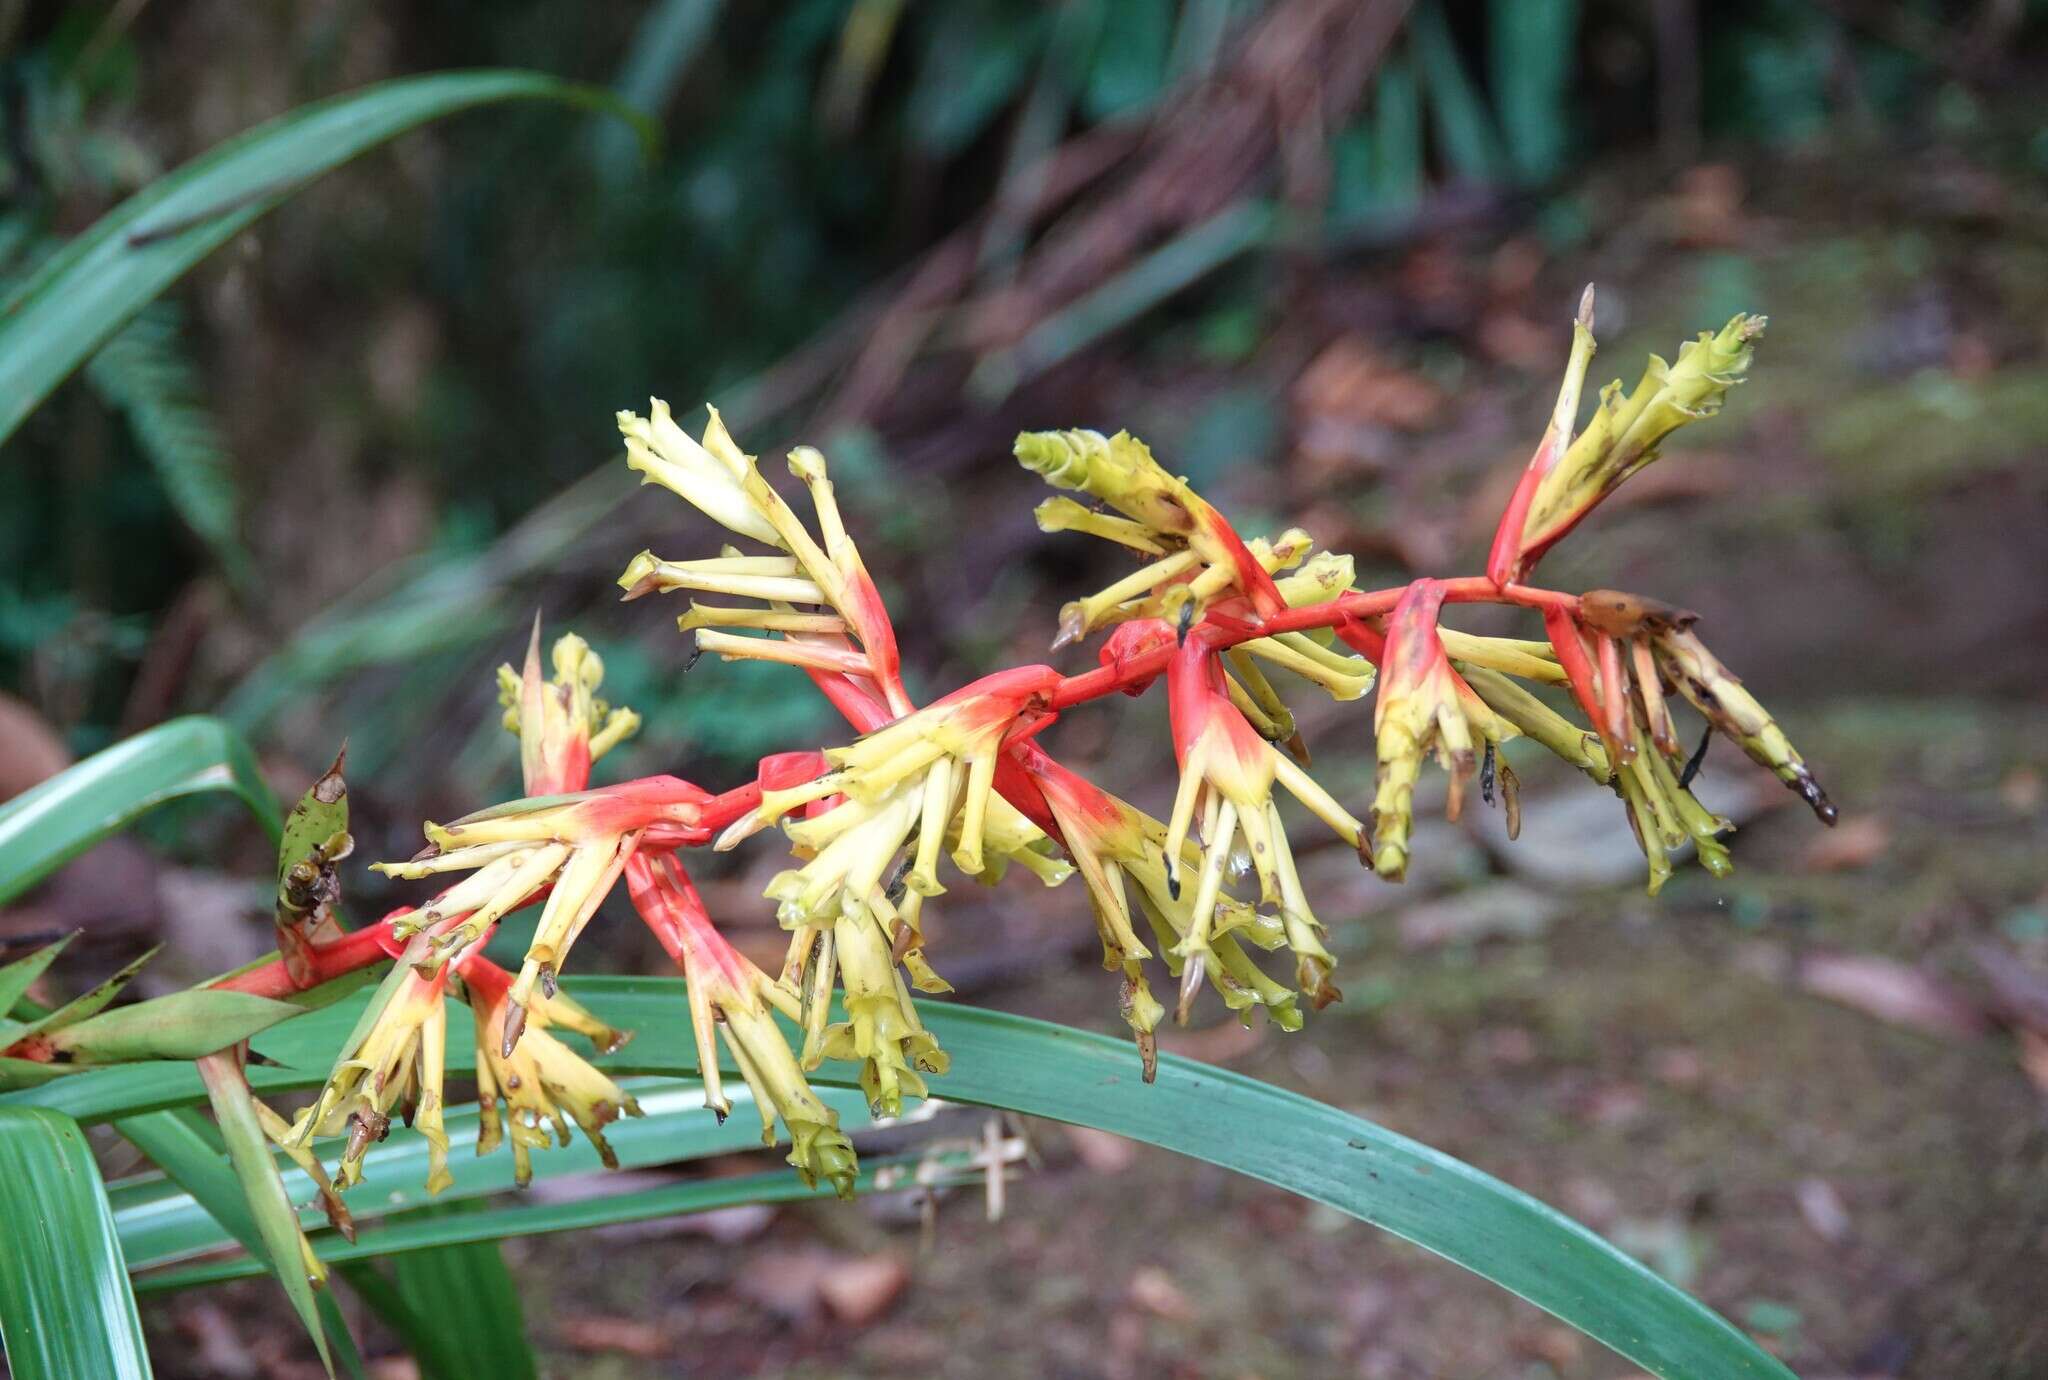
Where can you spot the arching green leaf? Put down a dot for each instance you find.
(1280, 1137)
(91, 287)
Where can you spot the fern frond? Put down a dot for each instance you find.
(144, 374)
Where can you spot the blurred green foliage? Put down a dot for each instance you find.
(813, 149)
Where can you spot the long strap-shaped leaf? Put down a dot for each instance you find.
(211, 1194)
(46, 826)
(159, 1224)
(454, 1305)
(1069, 1075)
(419, 1231)
(97, 281)
(65, 1306)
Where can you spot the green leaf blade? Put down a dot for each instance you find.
(82, 1007)
(416, 1231)
(49, 824)
(276, 1221)
(66, 1309)
(18, 976)
(1278, 1137)
(183, 1025)
(159, 1226)
(460, 1313)
(209, 1192)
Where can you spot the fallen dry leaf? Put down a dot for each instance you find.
(1511, 338)
(217, 1343)
(786, 1283)
(1614, 1104)
(1348, 405)
(1856, 842)
(1512, 271)
(1510, 1045)
(1592, 1201)
(2034, 1059)
(1891, 991)
(2022, 791)
(2019, 993)
(30, 750)
(859, 1291)
(1706, 210)
(601, 1332)
(1558, 1347)
(1153, 1290)
(1823, 1209)
(1679, 1066)
(1351, 380)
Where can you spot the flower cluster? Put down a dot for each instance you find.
(562, 726)
(1424, 707)
(396, 1058)
(730, 995)
(879, 825)
(393, 1061)
(540, 1080)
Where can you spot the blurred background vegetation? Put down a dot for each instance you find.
(1321, 254)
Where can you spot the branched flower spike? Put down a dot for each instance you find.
(1121, 853)
(876, 825)
(574, 846)
(1203, 555)
(562, 726)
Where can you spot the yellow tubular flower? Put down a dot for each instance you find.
(881, 1031)
(1065, 515)
(1178, 586)
(394, 1057)
(825, 569)
(1424, 707)
(702, 474)
(929, 776)
(541, 1081)
(1718, 695)
(1167, 513)
(1537, 721)
(1625, 432)
(577, 844)
(932, 772)
(731, 996)
(281, 1135)
(1227, 775)
(1120, 851)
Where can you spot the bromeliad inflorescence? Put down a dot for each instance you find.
(881, 826)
